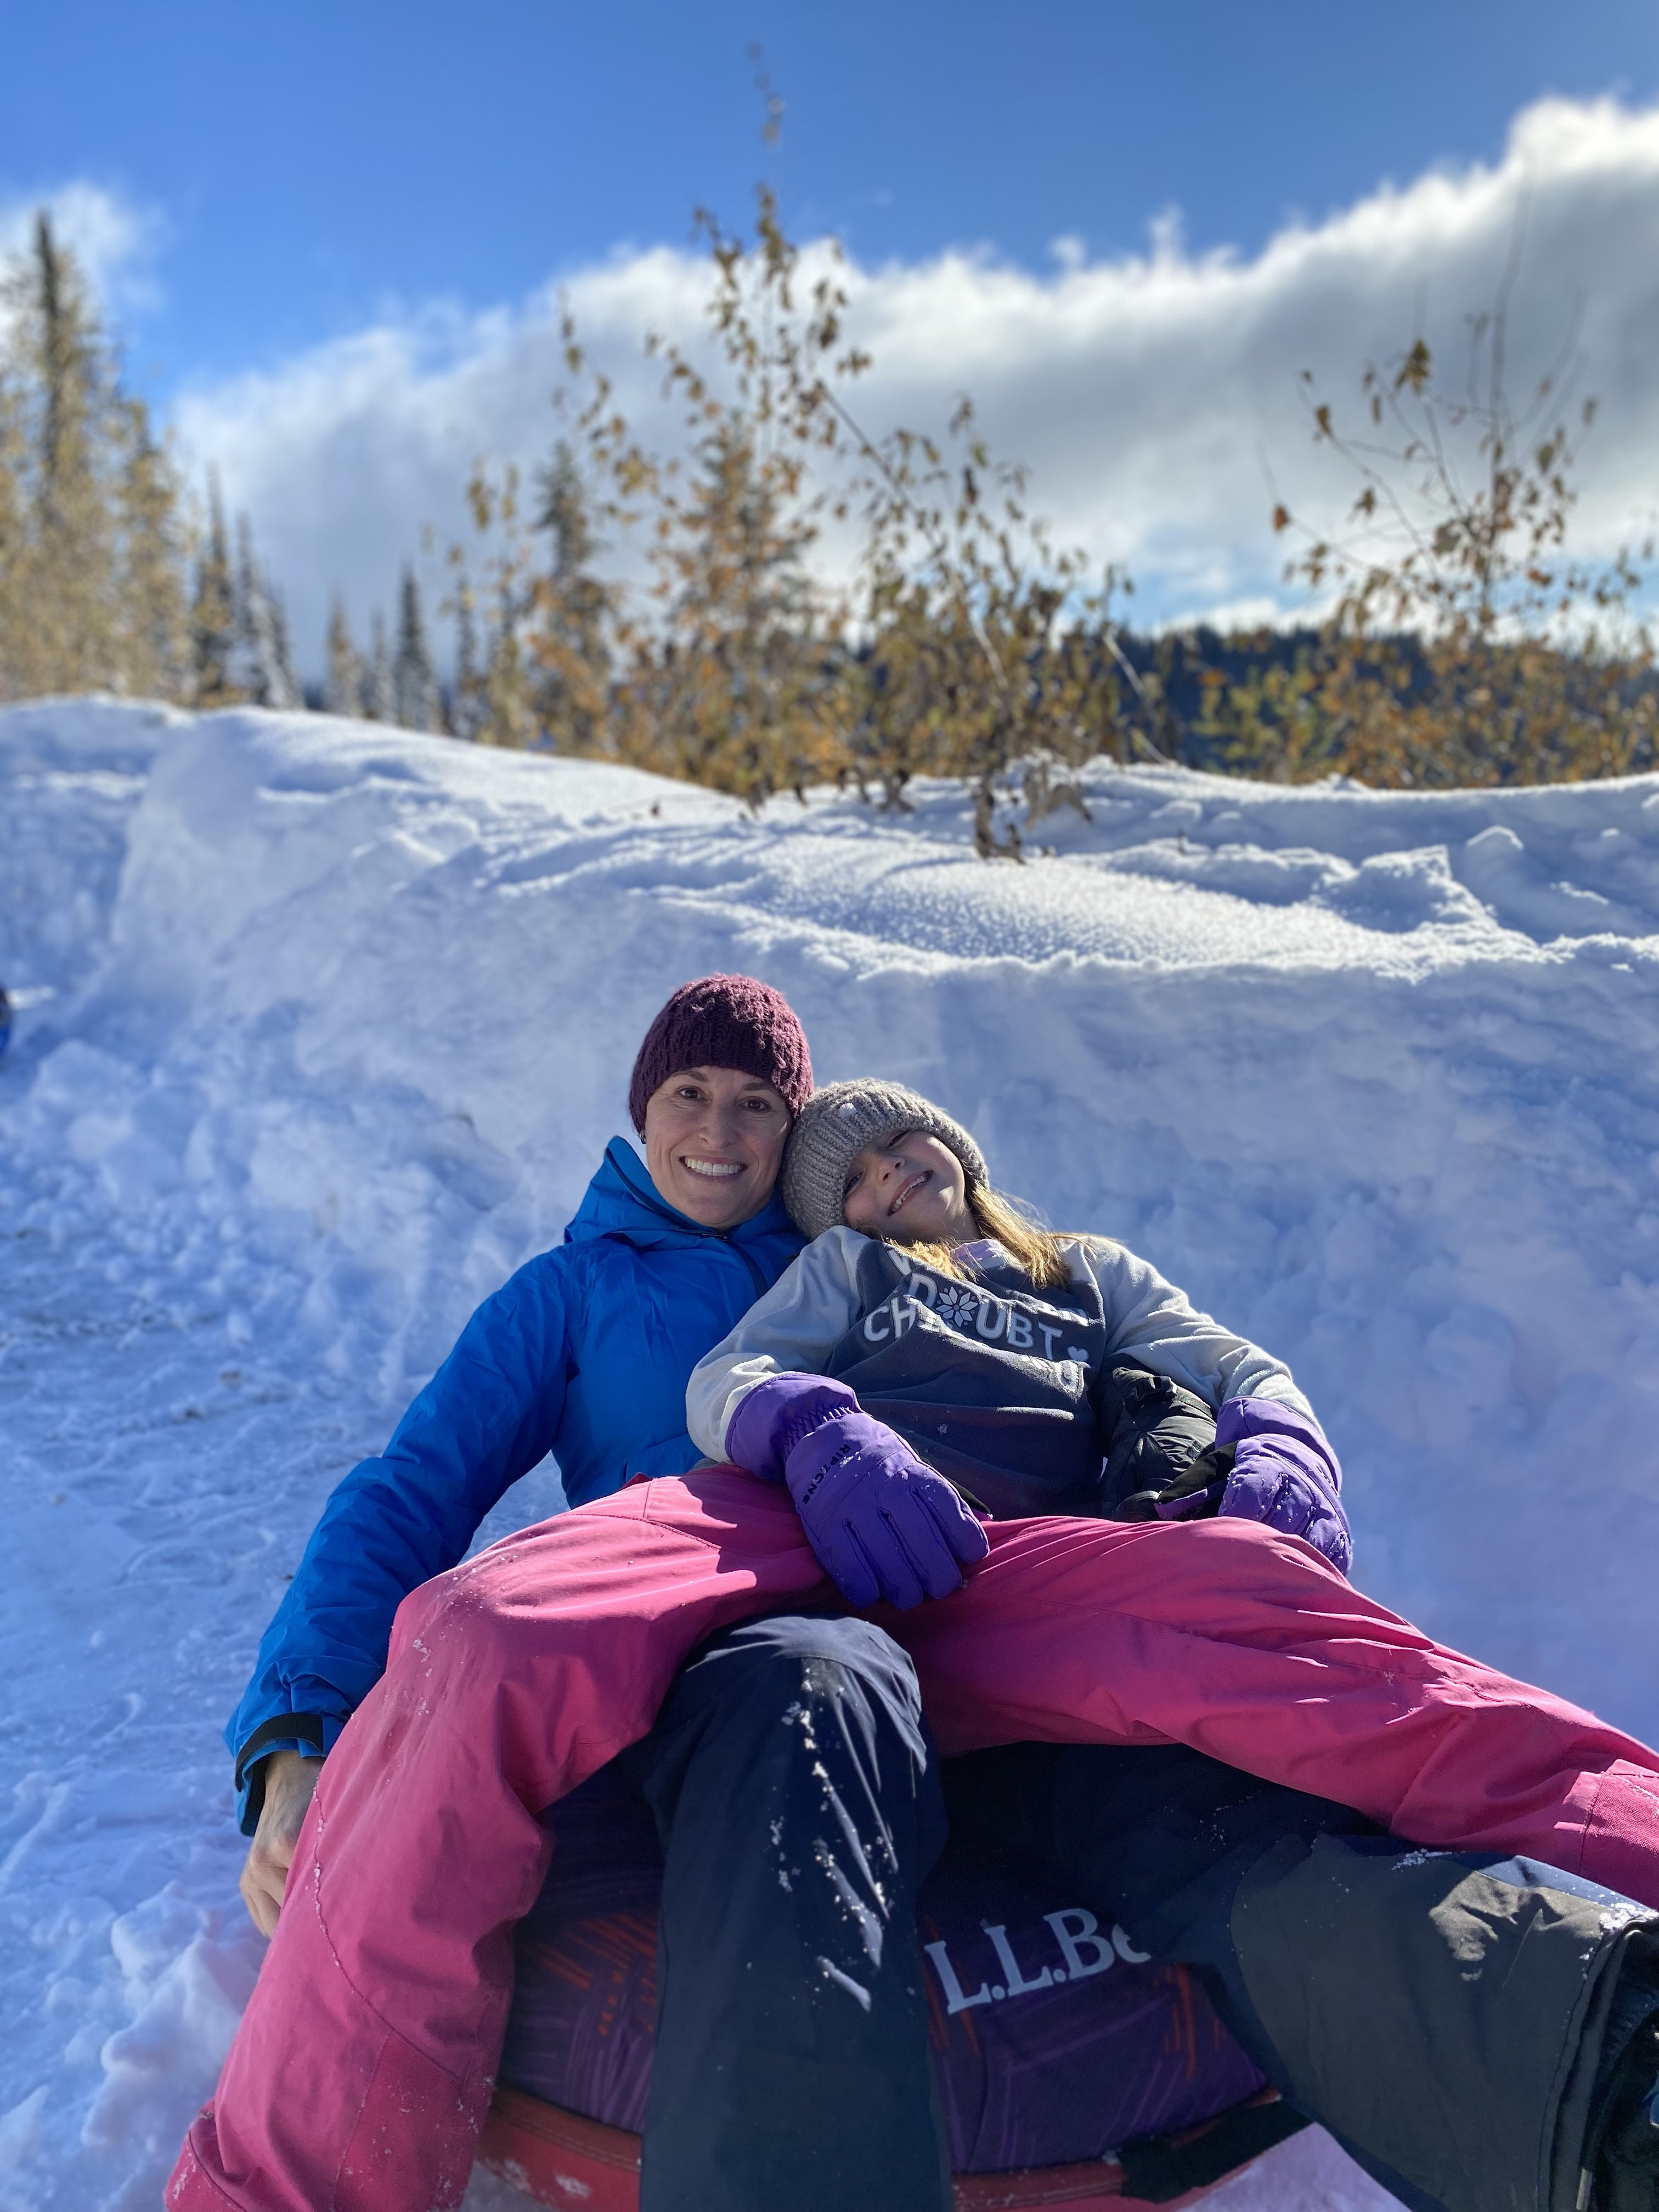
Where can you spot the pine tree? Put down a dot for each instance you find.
(213, 613)
(283, 648)
(77, 546)
(343, 688)
(154, 618)
(380, 698)
(13, 546)
(66, 432)
(415, 687)
(573, 610)
(259, 664)
(511, 720)
(470, 707)
(496, 701)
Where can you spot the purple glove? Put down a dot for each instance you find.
(1285, 1475)
(882, 1522)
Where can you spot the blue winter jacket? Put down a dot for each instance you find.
(585, 1352)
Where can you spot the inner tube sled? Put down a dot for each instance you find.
(1072, 2069)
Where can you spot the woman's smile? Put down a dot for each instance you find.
(716, 1170)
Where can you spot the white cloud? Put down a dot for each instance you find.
(1144, 392)
(114, 241)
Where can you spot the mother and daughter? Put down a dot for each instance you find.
(933, 1524)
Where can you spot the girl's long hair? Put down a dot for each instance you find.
(1037, 1251)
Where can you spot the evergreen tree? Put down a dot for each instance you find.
(15, 563)
(155, 648)
(511, 720)
(573, 610)
(283, 647)
(67, 433)
(470, 707)
(260, 670)
(76, 583)
(344, 686)
(416, 705)
(213, 624)
(380, 697)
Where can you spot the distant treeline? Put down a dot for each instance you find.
(1461, 644)
(1233, 701)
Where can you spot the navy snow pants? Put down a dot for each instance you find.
(797, 1798)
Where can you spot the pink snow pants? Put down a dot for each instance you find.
(361, 2073)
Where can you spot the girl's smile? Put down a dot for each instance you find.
(912, 1189)
(916, 1182)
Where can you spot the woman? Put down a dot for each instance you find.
(512, 1678)
(584, 1353)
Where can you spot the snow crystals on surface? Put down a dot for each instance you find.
(322, 1028)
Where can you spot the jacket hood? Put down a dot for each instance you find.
(622, 1200)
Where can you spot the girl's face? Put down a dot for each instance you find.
(912, 1189)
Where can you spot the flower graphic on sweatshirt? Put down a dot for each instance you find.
(958, 1305)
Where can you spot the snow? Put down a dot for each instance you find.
(322, 1028)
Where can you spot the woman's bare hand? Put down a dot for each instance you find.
(290, 1780)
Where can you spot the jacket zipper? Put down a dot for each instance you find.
(715, 1236)
(755, 1274)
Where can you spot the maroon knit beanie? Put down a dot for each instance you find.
(725, 1021)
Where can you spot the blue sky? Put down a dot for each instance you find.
(332, 236)
(310, 165)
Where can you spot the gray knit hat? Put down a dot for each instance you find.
(837, 1123)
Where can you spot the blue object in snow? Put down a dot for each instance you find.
(5, 1019)
(585, 1352)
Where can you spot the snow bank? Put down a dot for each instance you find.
(322, 1028)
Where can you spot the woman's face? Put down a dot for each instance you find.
(713, 1141)
(912, 1189)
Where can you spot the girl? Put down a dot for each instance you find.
(1012, 1362)
(1215, 1631)
(931, 1353)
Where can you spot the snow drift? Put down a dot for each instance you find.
(322, 1028)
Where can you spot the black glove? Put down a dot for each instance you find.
(1191, 1497)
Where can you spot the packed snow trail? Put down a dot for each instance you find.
(322, 1028)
